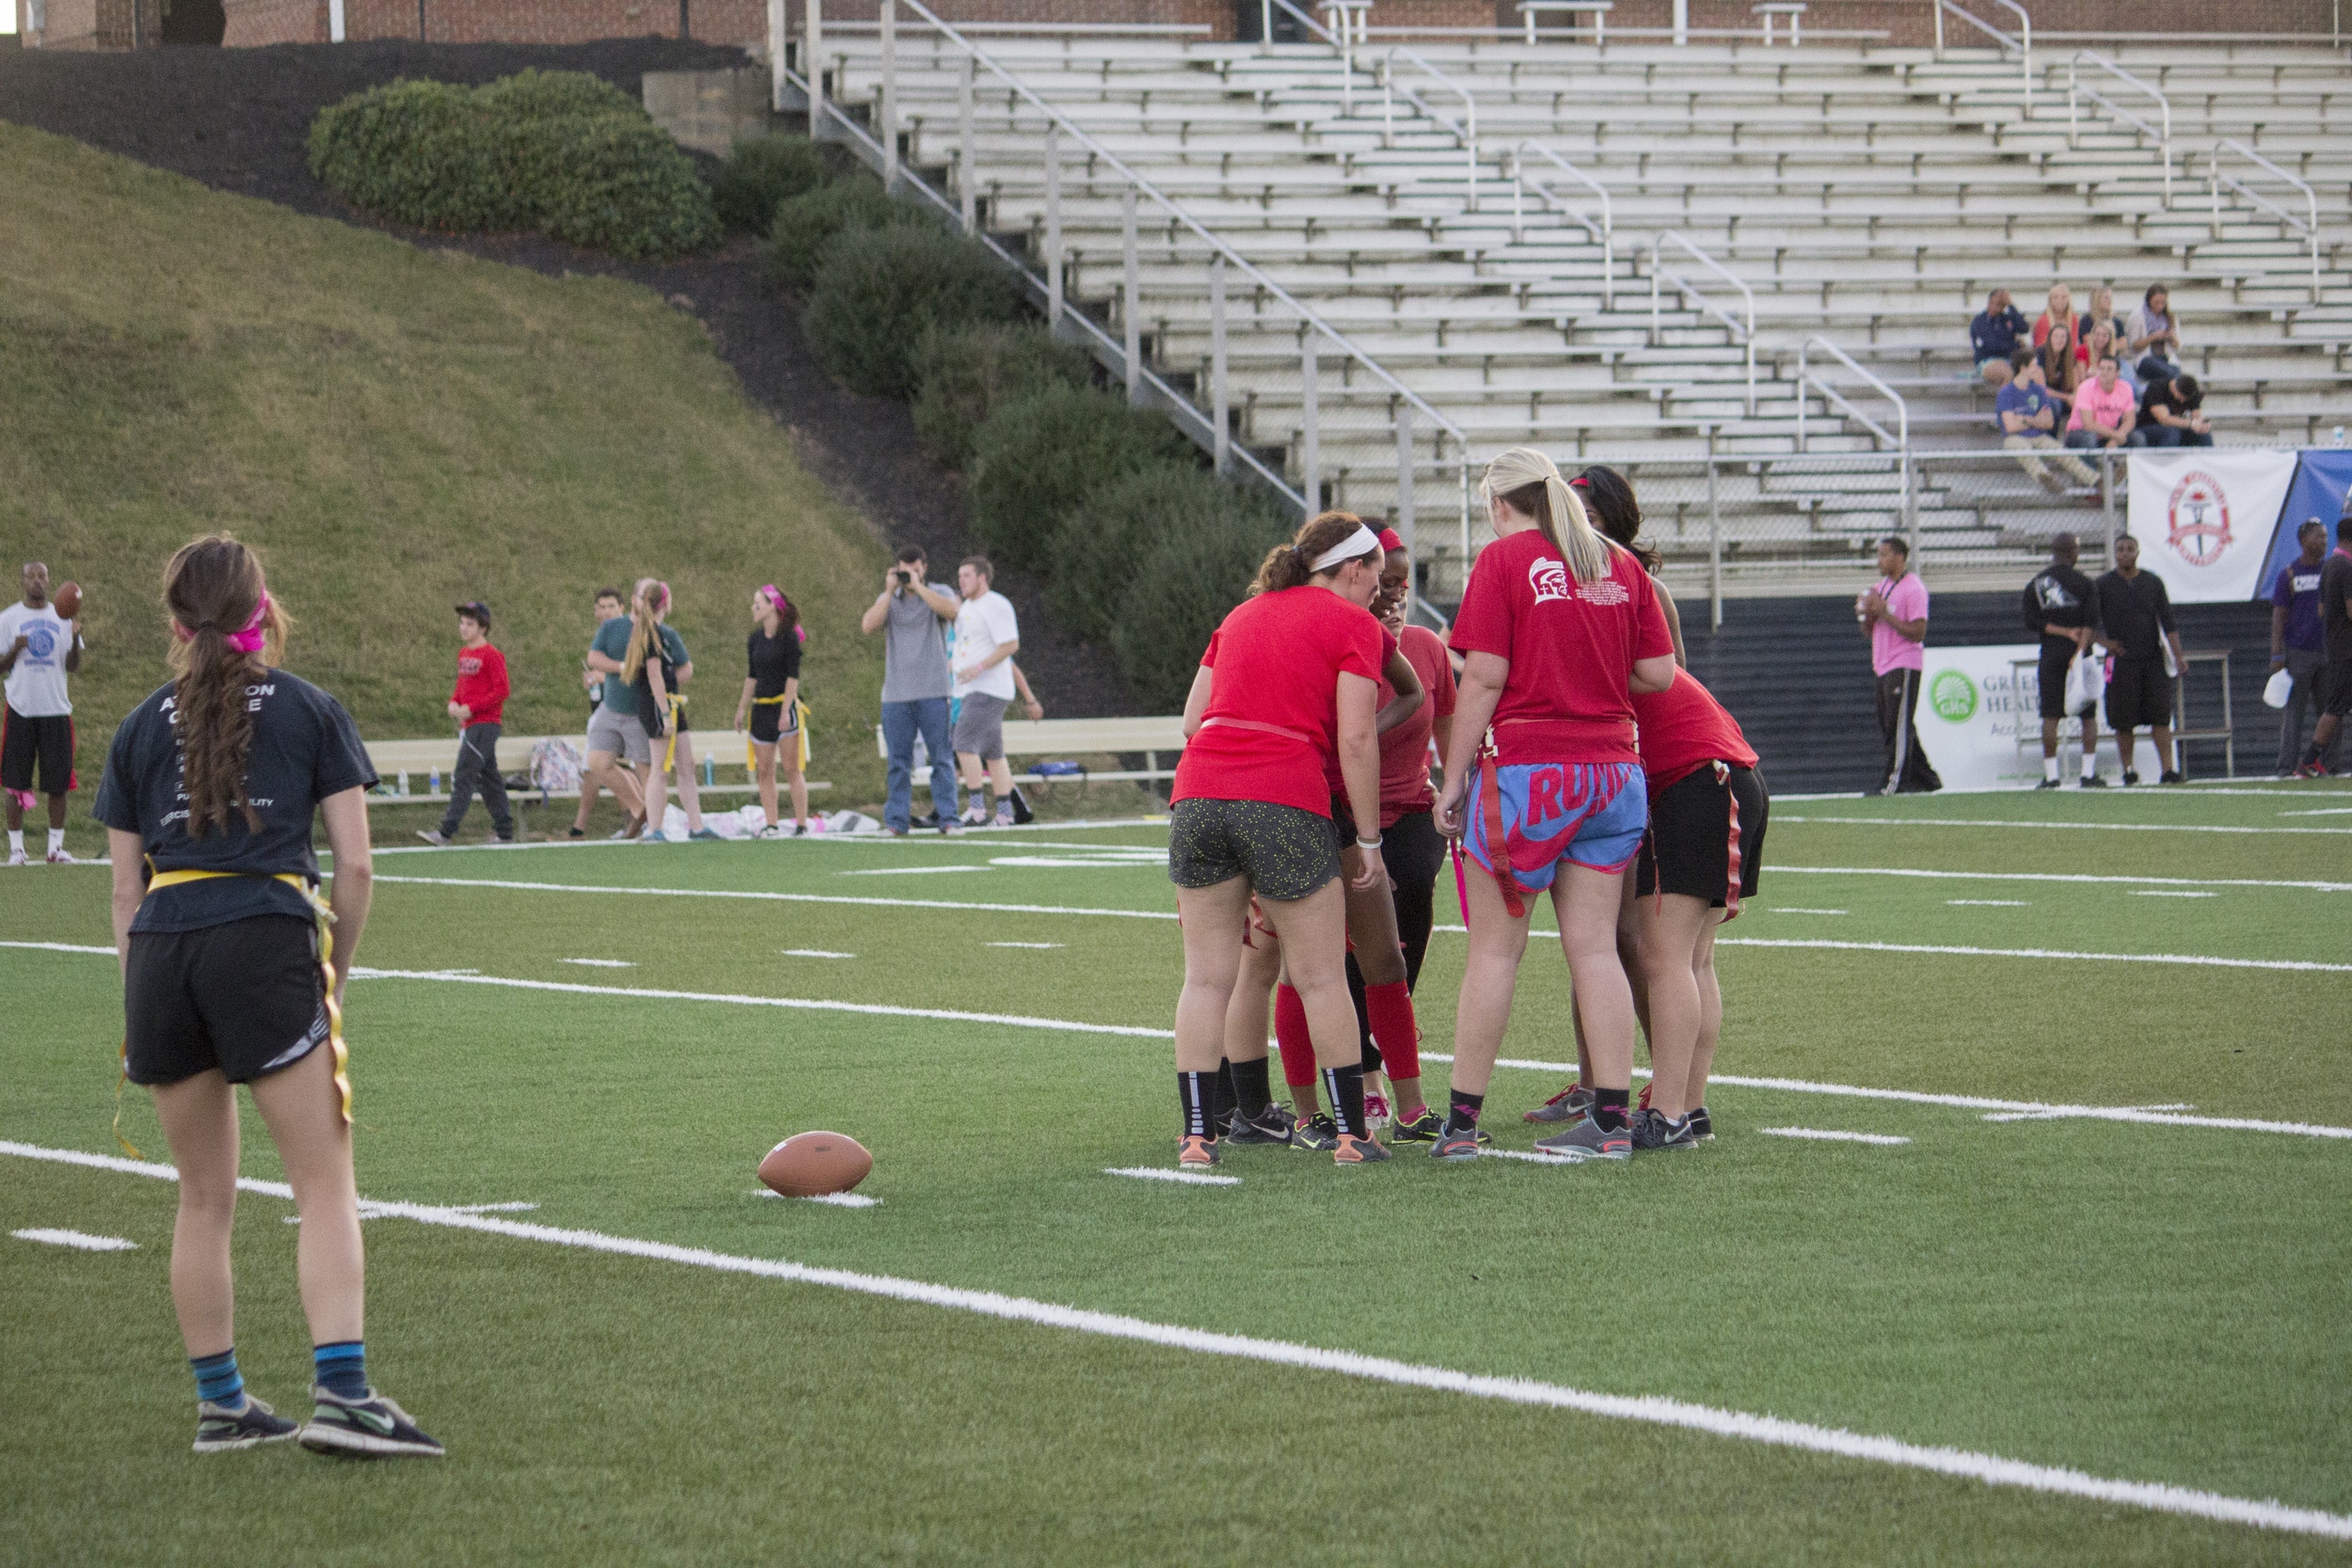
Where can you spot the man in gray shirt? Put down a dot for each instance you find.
(915, 684)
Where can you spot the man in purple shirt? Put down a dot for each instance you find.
(1895, 614)
(2298, 640)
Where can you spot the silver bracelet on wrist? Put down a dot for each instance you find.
(1369, 843)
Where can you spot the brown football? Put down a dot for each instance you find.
(810, 1165)
(68, 599)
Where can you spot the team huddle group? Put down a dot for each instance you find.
(1304, 837)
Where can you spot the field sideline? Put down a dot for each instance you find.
(2036, 1145)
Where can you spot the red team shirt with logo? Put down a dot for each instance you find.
(481, 685)
(1683, 729)
(1404, 750)
(1572, 648)
(1278, 660)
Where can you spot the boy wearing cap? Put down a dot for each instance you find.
(478, 704)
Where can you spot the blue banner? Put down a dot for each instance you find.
(2321, 481)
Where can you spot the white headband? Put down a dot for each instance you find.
(1362, 541)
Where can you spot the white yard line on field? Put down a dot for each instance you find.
(1182, 1178)
(2172, 893)
(1990, 1469)
(2200, 961)
(80, 1240)
(909, 870)
(2086, 827)
(873, 840)
(1824, 1134)
(2041, 877)
(765, 897)
(1990, 903)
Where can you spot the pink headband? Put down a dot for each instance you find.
(249, 641)
(774, 594)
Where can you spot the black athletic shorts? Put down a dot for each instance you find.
(247, 998)
(47, 741)
(1285, 852)
(1690, 850)
(2335, 688)
(2057, 658)
(772, 721)
(2139, 694)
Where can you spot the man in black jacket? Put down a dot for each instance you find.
(2063, 611)
(2137, 616)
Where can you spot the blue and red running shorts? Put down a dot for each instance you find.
(1592, 813)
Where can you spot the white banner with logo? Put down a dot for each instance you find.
(2203, 517)
(1976, 703)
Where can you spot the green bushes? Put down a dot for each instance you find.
(1036, 458)
(561, 153)
(806, 224)
(762, 172)
(878, 292)
(1181, 588)
(964, 375)
(1102, 542)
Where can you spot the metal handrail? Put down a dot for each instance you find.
(1901, 434)
(1657, 271)
(2074, 87)
(1152, 193)
(2308, 223)
(2023, 43)
(1604, 231)
(1465, 131)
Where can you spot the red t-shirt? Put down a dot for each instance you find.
(1572, 646)
(1278, 659)
(1404, 750)
(482, 684)
(1332, 780)
(1683, 729)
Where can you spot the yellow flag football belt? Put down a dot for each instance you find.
(326, 972)
(800, 729)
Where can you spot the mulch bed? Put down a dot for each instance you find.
(238, 119)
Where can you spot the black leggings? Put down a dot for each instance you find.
(1414, 854)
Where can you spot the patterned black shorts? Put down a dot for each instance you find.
(1285, 852)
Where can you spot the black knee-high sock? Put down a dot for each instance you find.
(1253, 1091)
(1346, 1087)
(1221, 1099)
(1192, 1093)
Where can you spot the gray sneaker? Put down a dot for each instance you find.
(1652, 1130)
(1568, 1104)
(433, 836)
(1318, 1133)
(1702, 1125)
(219, 1429)
(373, 1428)
(1275, 1126)
(1586, 1141)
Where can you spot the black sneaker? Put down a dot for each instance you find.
(372, 1428)
(1652, 1130)
(577, 833)
(2047, 783)
(1422, 1129)
(1022, 814)
(2094, 781)
(2130, 778)
(1318, 1133)
(2171, 775)
(1274, 1127)
(1702, 1126)
(218, 1428)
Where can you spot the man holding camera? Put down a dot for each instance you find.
(915, 684)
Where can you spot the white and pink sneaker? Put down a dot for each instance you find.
(57, 856)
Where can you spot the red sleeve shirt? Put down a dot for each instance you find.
(1572, 647)
(1272, 716)
(1683, 729)
(482, 684)
(1332, 779)
(1404, 750)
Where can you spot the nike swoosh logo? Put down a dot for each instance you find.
(382, 1423)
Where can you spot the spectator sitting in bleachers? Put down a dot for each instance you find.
(2102, 309)
(2061, 311)
(1992, 337)
(2104, 342)
(2106, 409)
(2060, 372)
(2153, 337)
(2028, 416)
(2171, 414)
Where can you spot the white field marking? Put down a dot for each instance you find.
(1156, 860)
(874, 839)
(1039, 946)
(1657, 1410)
(2043, 877)
(1534, 1156)
(1991, 903)
(1791, 909)
(812, 953)
(1183, 1177)
(2331, 810)
(1828, 1135)
(2172, 893)
(2086, 827)
(2202, 961)
(599, 964)
(765, 896)
(830, 1200)
(910, 870)
(59, 947)
(81, 1241)
(367, 1213)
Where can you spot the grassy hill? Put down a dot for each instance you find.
(397, 430)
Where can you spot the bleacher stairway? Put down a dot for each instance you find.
(1867, 198)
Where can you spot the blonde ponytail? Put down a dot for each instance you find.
(1529, 483)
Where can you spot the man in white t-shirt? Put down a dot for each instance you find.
(38, 648)
(988, 634)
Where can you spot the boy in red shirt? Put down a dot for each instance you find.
(479, 704)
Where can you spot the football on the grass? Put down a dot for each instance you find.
(68, 600)
(810, 1165)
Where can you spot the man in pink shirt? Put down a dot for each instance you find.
(1895, 613)
(2105, 411)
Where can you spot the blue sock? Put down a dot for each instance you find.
(342, 1369)
(218, 1380)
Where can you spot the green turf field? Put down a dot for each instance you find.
(2113, 1243)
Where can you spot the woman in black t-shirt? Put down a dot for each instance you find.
(231, 975)
(772, 700)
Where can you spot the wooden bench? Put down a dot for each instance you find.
(1600, 9)
(397, 761)
(1047, 739)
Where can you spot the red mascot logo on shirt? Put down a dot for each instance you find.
(1549, 578)
(2198, 516)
